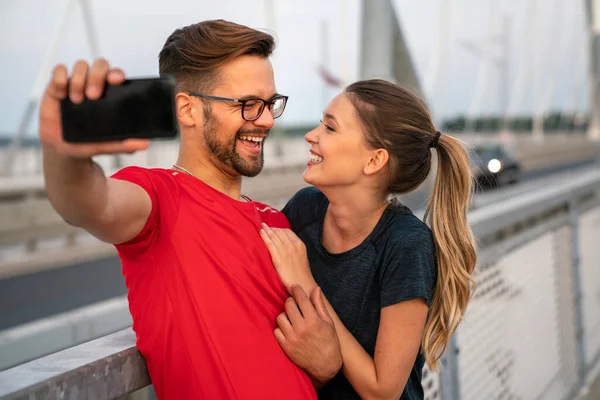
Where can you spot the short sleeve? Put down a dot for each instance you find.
(304, 207)
(143, 178)
(271, 216)
(409, 267)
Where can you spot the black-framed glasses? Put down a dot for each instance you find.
(253, 108)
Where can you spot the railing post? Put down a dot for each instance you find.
(450, 384)
(577, 291)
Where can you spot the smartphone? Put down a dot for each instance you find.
(137, 108)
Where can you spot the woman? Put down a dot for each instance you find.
(394, 303)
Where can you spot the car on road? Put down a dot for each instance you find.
(494, 165)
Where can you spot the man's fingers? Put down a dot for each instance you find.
(135, 144)
(303, 301)
(292, 311)
(87, 150)
(284, 324)
(96, 79)
(116, 76)
(127, 146)
(317, 300)
(59, 83)
(78, 81)
(279, 336)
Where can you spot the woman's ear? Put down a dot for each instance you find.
(377, 161)
(185, 110)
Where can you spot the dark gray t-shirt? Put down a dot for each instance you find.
(396, 262)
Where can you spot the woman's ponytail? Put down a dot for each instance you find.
(446, 214)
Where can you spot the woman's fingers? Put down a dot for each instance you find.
(271, 246)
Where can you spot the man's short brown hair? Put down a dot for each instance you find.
(194, 54)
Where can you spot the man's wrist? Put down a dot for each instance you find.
(317, 383)
(321, 380)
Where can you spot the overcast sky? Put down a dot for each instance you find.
(547, 47)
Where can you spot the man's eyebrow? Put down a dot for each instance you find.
(253, 96)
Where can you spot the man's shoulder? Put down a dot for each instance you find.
(271, 216)
(135, 170)
(265, 208)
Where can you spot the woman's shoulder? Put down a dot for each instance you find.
(408, 267)
(309, 193)
(404, 229)
(305, 206)
(307, 198)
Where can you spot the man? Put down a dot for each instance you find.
(202, 289)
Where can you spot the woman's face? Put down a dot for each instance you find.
(338, 153)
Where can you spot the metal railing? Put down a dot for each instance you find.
(532, 329)
(29, 222)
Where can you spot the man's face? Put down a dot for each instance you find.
(235, 144)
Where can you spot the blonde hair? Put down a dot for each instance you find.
(446, 214)
(399, 121)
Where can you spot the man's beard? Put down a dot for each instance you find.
(226, 152)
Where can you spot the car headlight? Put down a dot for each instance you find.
(494, 165)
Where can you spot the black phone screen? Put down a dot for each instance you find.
(138, 108)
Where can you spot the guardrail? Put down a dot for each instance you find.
(532, 330)
(29, 222)
(555, 150)
(105, 368)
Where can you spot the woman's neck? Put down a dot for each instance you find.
(350, 218)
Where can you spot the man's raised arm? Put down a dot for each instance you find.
(112, 210)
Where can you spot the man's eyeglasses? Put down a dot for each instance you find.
(252, 108)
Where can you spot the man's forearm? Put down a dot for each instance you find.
(77, 188)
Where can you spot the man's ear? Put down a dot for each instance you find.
(377, 161)
(186, 113)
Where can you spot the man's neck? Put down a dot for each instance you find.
(206, 171)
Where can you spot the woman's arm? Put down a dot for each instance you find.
(305, 331)
(398, 339)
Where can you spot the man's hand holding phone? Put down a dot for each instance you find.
(85, 82)
(112, 210)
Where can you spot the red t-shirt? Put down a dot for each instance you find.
(204, 295)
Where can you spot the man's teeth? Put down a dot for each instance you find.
(252, 138)
(315, 158)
